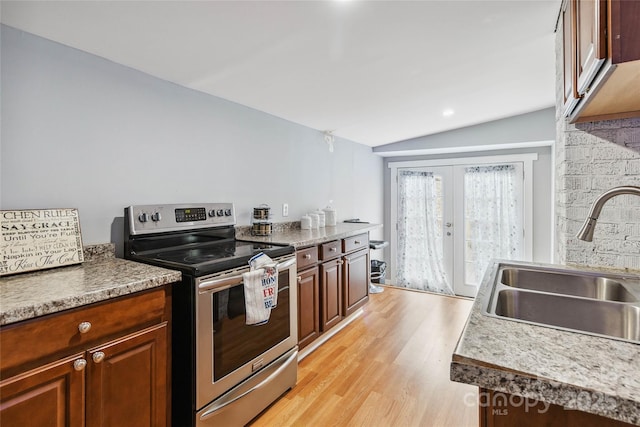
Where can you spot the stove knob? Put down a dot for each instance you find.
(156, 217)
(219, 212)
(212, 212)
(227, 212)
(143, 217)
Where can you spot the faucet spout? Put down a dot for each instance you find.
(586, 232)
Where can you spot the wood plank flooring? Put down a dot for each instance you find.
(389, 367)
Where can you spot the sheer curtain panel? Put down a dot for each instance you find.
(420, 244)
(493, 217)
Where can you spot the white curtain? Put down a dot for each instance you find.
(420, 244)
(493, 217)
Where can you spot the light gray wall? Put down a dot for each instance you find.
(532, 127)
(529, 127)
(80, 131)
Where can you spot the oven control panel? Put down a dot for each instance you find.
(144, 219)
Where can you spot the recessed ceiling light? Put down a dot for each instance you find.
(448, 112)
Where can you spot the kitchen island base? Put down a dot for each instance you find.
(498, 409)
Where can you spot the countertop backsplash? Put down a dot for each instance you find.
(99, 251)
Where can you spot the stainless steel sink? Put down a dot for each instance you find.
(589, 302)
(594, 316)
(576, 284)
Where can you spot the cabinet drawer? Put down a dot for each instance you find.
(354, 243)
(307, 257)
(330, 250)
(59, 334)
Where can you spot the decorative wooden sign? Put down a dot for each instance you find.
(39, 239)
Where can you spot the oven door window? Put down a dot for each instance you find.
(234, 342)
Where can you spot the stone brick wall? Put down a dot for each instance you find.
(591, 158)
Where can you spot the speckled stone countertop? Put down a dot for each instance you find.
(300, 238)
(573, 370)
(100, 277)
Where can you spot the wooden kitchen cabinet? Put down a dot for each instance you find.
(333, 283)
(601, 59)
(308, 306)
(331, 293)
(356, 272)
(499, 409)
(308, 296)
(51, 395)
(589, 26)
(127, 381)
(102, 365)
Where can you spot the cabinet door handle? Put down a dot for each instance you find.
(307, 256)
(340, 262)
(79, 364)
(98, 356)
(299, 278)
(84, 327)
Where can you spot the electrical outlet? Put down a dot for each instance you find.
(285, 209)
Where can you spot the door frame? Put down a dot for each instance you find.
(526, 159)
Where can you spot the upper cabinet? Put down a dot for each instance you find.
(601, 59)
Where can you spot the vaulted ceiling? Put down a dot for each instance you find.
(373, 72)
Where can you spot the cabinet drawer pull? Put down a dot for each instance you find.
(334, 249)
(98, 356)
(357, 242)
(79, 364)
(307, 256)
(299, 278)
(84, 327)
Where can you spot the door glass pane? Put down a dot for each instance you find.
(493, 217)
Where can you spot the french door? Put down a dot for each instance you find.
(452, 220)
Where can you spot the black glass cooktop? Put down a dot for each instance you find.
(210, 258)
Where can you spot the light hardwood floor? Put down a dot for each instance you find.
(390, 367)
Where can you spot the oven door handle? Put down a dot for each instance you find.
(229, 282)
(234, 396)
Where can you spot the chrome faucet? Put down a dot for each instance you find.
(586, 232)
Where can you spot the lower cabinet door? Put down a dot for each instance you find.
(50, 395)
(331, 295)
(127, 381)
(356, 281)
(308, 306)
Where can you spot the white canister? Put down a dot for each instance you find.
(314, 220)
(321, 218)
(305, 222)
(330, 216)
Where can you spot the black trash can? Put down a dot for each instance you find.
(378, 271)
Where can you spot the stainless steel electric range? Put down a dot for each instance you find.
(224, 372)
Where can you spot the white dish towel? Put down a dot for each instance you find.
(260, 289)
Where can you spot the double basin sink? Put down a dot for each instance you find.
(589, 302)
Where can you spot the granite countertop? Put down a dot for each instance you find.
(300, 238)
(101, 277)
(573, 370)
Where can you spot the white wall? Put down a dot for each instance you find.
(80, 131)
(591, 158)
